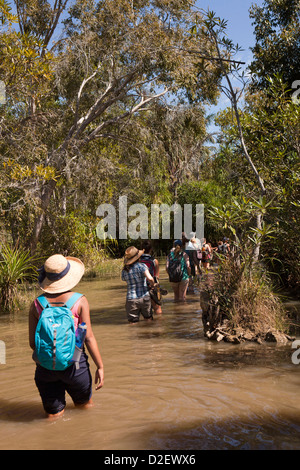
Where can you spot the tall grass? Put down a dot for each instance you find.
(255, 307)
(16, 267)
(245, 299)
(106, 268)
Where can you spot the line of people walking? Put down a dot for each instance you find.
(184, 265)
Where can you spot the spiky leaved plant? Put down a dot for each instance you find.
(16, 267)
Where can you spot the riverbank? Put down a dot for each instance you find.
(106, 268)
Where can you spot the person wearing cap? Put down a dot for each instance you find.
(58, 276)
(136, 275)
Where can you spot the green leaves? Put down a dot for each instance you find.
(277, 47)
(239, 218)
(16, 266)
(24, 71)
(6, 15)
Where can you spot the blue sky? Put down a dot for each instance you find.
(236, 13)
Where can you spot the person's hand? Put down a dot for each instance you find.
(99, 378)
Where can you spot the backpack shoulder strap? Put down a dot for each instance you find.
(72, 300)
(42, 301)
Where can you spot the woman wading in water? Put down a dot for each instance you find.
(58, 277)
(179, 271)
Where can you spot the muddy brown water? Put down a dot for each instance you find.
(166, 387)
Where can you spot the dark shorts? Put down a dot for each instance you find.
(53, 385)
(136, 307)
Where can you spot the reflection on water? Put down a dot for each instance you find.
(166, 386)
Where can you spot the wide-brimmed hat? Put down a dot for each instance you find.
(60, 274)
(132, 254)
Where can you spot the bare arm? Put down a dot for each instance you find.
(187, 261)
(91, 342)
(156, 268)
(149, 277)
(33, 321)
(167, 264)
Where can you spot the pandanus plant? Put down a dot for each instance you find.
(16, 267)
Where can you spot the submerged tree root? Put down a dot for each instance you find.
(238, 336)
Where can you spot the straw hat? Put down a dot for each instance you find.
(132, 254)
(60, 274)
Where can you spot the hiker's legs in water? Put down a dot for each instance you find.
(175, 286)
(79, 382)
(55, 416)
(52, 391)
(183, 286)
(146, 308)
(135, 307)
(84, 406)
(132, 311)
(53, 386)
(157, 308)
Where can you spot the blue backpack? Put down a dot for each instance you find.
(55, 334)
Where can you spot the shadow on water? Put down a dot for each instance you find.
(264, 432)
(19, 412)
(247, 355)
(108, 316)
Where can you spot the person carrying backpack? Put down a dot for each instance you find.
(224, 247)
(148, 259)
(206, 254)
(153, 266)
(57, 318)
(179, 271)
(194, 252)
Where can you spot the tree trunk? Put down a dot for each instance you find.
(234, 102)
(256, 250)
(47, 192)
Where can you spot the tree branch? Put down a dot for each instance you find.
(139, 107)
(233, 97)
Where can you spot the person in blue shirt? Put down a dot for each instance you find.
(136, 275)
